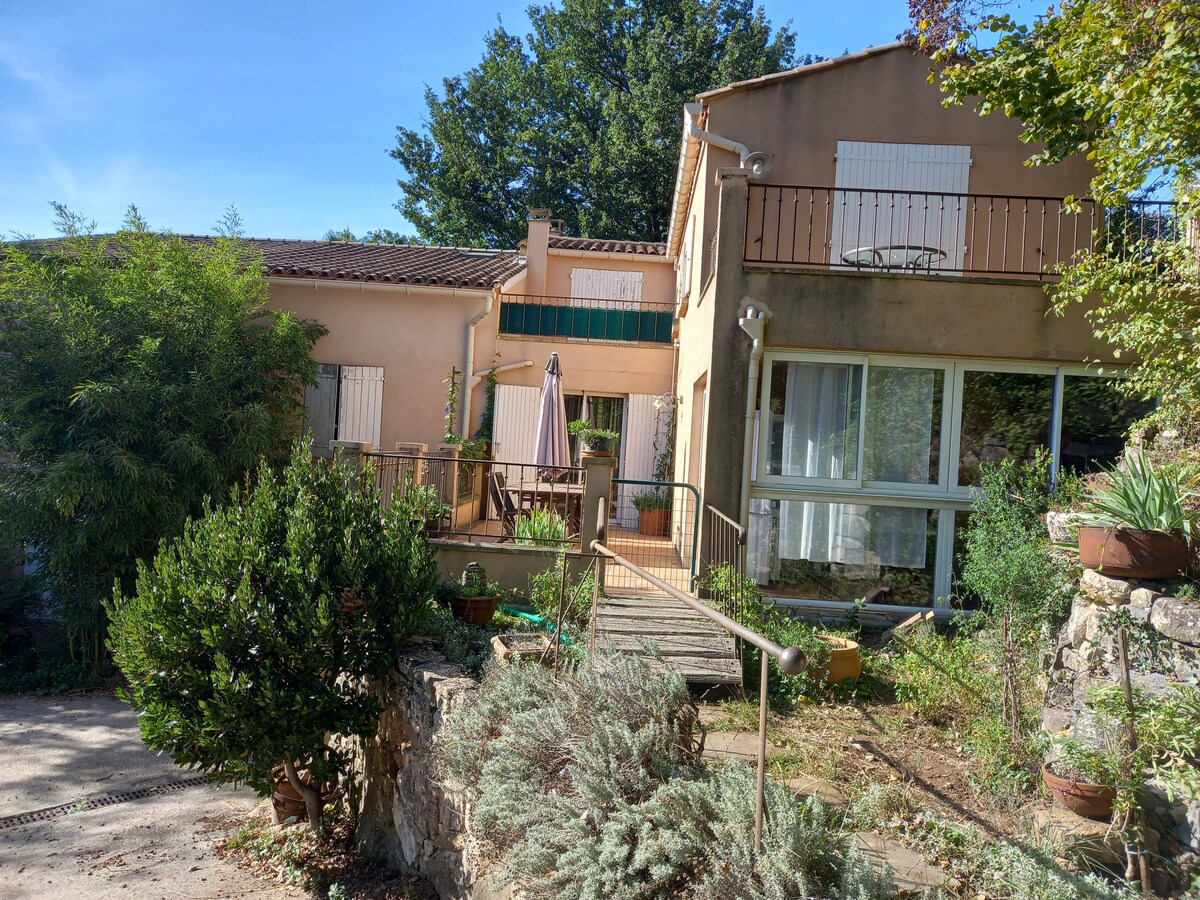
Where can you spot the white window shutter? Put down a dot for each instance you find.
(360, 404)
(589, 285)
(888, 199)
(514, 432)
(637, 452)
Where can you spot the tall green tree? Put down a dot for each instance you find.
(582, 116)
(1117, 81)
(141, 374)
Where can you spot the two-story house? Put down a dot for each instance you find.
(863, 322)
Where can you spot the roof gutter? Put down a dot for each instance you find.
(756, 163)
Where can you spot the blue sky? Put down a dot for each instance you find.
(285, 109)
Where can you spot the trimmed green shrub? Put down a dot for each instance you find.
(244, 639)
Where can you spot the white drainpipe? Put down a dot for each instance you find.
(753, 323)
(464, 423)
(757, 162)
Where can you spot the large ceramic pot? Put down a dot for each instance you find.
(844, 661)
(654, 521)
(1095, 801)
(1133, 552)
(476, 610)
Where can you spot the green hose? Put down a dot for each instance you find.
(539, 621)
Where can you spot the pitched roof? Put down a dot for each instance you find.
(801, 71)
(387, 263)
(458, 267)
(604, 245)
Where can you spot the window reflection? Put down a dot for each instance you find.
(1005, 415)
(843, 551)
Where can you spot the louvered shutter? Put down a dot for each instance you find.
(911, 195)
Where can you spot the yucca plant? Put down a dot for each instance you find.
(1137, 495)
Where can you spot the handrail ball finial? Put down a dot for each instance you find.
(793, 661)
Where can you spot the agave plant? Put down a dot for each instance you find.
(1136, 495)
(540, 527)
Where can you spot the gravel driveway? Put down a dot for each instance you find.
(58, 751)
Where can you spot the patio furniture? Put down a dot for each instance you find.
(894, 256)
(506, 508)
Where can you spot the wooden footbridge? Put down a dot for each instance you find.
(669, 633)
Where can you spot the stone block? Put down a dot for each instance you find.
(1082, 837)
(1102, 589)
(1177, 619)
(1143, 598)
(1085, 621)
(1055, 720)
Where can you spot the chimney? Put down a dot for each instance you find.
(536, 251)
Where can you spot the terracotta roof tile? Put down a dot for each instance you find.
(386, 263)
(603, 245)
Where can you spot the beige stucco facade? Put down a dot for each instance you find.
(797, 122)
(417, 333)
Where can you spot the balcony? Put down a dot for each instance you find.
(586, 319)
(901, 232)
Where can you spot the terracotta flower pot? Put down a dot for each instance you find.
(844, 660)
(1095, 801)
(1133, 552)
(476, 610)
(286, 802)
(654, 521)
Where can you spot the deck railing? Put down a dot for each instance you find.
(790, 660)
(938, 233)
(581, 318)
(488, 500)
(725, 579)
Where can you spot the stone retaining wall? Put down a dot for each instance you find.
(406, 819)
(1164, 649)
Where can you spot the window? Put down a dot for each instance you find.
(864, 463)
(346, 404)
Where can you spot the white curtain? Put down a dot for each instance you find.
(820, 430)
(820, 440)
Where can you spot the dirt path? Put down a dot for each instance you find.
(62, 751)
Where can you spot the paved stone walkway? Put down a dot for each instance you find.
(61, 751)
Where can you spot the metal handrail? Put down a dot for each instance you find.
(736, 526)
(792, 660)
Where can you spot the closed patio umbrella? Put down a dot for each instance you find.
(553, 453)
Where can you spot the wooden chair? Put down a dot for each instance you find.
(506, 508)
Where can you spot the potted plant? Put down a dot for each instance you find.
(654, 512)
(1083, 777)
(595, 441)
(1137, 521)
(472, 598)
(1159, 735)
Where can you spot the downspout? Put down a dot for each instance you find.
(756, 162)
(464, 423)
(754, 324)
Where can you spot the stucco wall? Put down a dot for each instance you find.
(798, 121)
(415, 334)
(659, 286)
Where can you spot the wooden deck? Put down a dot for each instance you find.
(700, 650)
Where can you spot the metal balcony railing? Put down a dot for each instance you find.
(938, 233)
(587, 319)
(488, 500)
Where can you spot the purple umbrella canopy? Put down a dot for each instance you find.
(553, 453)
